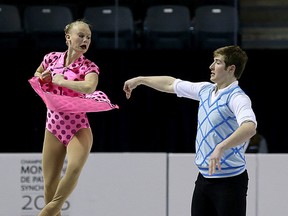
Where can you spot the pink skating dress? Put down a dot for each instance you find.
(66, 109)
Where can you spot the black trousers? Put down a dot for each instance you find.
(220, 196)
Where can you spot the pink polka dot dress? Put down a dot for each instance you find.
(66, 109)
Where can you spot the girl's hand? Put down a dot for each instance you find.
(46, 77)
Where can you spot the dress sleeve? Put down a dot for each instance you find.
(46, 60)
(92, 68)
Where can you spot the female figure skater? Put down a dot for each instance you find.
(67, 134)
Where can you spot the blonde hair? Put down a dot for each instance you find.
(69, 26)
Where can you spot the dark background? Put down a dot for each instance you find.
(150, 121)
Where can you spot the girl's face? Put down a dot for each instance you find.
(79, 38)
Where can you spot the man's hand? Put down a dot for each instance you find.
(128, 87)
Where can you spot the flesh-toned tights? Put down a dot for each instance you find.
(57, 189)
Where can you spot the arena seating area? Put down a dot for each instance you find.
(150, 121)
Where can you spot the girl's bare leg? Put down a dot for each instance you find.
(53, 156)
(78, 151)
